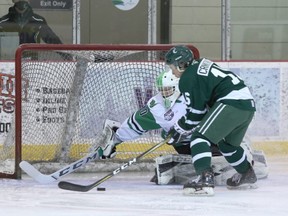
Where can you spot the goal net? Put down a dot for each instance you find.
(63, 95)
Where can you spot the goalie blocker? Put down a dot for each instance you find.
(178, 169)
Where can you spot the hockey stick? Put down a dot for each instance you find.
(84, 188)
(44, 179)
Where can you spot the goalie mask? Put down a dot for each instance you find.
(167, 85)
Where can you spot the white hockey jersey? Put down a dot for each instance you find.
(151, 117)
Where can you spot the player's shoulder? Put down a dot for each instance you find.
(199, 68)
(5, 18)
(204, 66)
(38, 18)
(156, 100)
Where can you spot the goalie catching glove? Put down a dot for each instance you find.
(109, 151)
(177, 134)
(110, 128)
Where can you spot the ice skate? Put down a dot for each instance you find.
(243, 181)
(203, 185)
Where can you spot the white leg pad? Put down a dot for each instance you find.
(178, 169)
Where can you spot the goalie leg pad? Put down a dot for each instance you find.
(178, 169)
(223, 171)
(164, 170)
(173, 169)
(260, 164)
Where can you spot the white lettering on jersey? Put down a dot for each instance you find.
(204, 67)
(219, 73)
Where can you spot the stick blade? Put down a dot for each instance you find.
(35, 174)
(74, 187)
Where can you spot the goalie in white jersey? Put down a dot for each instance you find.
(162, 111)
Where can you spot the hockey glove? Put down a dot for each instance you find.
(108, 153)
(177, 134)
(110, 139)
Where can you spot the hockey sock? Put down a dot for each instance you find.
(235, 156)
(201, 154)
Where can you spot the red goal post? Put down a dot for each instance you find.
(64, 93)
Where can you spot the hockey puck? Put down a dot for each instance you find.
(101, 189)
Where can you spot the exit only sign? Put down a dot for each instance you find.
(52, 4)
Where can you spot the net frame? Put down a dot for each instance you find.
(61, 47)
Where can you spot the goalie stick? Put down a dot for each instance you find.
(44, 179)
(84, 188)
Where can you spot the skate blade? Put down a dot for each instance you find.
(243, 187)
(205, 191)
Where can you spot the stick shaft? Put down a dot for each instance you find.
(84, 188)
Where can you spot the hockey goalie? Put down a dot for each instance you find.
(161, 112)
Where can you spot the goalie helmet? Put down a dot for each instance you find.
(167, 85)
(179, 56)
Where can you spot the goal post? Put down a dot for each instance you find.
(64, 93)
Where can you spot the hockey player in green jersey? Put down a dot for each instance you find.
(161, 112)
(220, 108)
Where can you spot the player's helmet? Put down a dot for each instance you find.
(167, 85)
(179, 56)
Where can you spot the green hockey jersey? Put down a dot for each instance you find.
(203, 83)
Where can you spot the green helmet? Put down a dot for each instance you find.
(179, 56)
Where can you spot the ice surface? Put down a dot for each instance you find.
(131, 194)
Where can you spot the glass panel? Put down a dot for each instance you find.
(259, 30)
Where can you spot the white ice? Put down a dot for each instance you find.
(131, 194)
